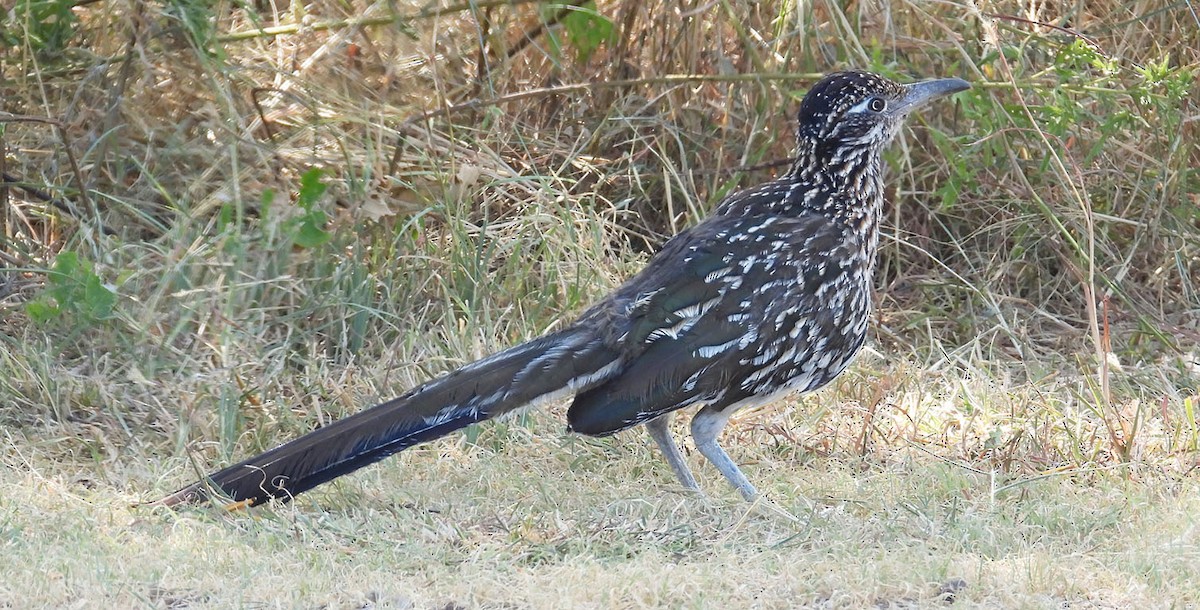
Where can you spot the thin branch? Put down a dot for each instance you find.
(11, 181)
(61, 130)
(262, 116)
(667, 79)
(1068, 31)
(428, 13)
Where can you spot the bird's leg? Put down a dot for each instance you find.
(658, 429)
(706, 427)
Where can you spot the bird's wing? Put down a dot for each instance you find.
(736, 296)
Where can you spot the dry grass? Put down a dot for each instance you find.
(1023, 433)
(529, 518)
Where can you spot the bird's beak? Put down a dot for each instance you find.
(917, 95)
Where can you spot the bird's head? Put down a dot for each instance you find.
(847, 114)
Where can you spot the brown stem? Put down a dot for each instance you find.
(61, 130)
(668, 79)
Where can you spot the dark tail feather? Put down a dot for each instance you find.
(566, 361)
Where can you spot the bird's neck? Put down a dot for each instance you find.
(852, 177)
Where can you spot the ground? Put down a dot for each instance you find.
(527, 516)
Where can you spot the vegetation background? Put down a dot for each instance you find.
(224, 223)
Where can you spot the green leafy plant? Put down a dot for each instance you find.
(73, 288)
(308, 230)
(45, 25)
(196, 19)
(585, 29)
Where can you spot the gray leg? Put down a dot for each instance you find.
(706, 427)
(658, 430)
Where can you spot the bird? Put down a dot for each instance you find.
(770, 295)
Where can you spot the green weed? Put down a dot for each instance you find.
(74, 291)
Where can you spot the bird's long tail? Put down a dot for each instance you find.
(569, 360)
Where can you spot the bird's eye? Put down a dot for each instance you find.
(877, 104)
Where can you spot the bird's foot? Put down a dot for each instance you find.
(238, 506)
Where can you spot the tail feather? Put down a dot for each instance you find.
(563, 362)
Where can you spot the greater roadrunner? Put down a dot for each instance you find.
(768, 296)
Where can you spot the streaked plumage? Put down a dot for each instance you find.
(768, 296)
